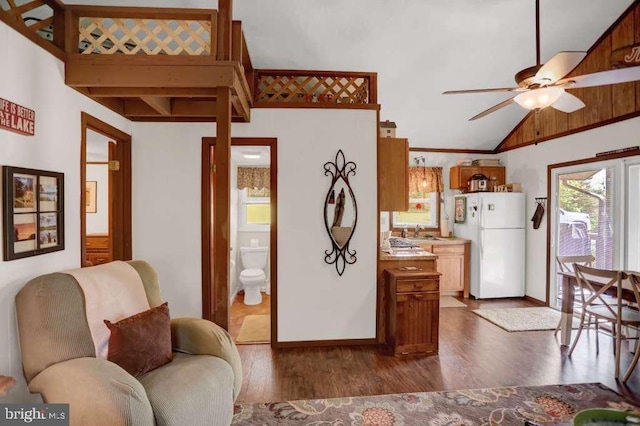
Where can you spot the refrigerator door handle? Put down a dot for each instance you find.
(481, 243)
(480, 213)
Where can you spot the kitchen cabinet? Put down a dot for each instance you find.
(413, 312)
(393, 174)
(459, 175)
(98, 249)
(453, 263)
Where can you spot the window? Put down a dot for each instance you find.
(255, 209)
(423, 211)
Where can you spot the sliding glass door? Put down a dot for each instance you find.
(587, 216)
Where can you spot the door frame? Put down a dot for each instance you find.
(550, 231)
(215, 298)
(120, 222)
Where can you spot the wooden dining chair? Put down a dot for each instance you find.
(595, 303)
(565, 264)
(634, 280)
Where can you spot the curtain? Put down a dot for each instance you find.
(254, 177)
(431, 175)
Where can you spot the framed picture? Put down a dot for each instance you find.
(460, 212)
(33, 212)
(92, 190)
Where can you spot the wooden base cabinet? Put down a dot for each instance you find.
(413, 312)
(453, 263)
(98, 249)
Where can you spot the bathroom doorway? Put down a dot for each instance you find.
(105, 188)
(250, 293)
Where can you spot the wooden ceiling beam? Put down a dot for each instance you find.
(147, 72)
(180, 108)
(161, 105)
(138, 92)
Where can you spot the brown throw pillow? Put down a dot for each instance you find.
(142, 342)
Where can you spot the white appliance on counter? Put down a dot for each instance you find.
(495, 224)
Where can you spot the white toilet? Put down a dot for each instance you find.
(254, 259)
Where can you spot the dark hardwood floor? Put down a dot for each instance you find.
(473, 354)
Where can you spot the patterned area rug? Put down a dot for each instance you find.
(500, 406)
(523, 319)
(450, 302)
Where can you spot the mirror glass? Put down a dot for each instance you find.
(340, 212)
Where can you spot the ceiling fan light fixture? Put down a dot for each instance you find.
(539, 98)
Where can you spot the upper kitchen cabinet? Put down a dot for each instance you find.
(459, 175)
(393, 174)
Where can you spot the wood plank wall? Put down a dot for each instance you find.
(605, 105)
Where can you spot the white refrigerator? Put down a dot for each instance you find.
(495, 224)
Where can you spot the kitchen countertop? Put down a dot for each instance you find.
(440, 241)
(408, 255)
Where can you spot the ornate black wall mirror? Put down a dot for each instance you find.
(340, 212)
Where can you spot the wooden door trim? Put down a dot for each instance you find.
(208, 286)
(123, 149)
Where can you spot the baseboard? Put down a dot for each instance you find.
(323, 343)
(534, 300)
(233, 297)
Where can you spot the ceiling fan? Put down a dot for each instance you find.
(544, 85)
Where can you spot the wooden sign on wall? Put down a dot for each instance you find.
(16, 118)
(628, 56)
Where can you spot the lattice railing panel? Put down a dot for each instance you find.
(35, 15)
(332, 89)
(132, 36)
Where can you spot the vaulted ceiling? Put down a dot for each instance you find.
(419, 49)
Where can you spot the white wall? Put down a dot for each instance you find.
(314, 303)
(98, 222)
(528, 166)
(235, 267)
(32, 77)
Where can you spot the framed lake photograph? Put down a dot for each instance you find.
(33, 212)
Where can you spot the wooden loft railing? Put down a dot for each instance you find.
(42, 21)
(315, 89)
(155, 64)
(141, 31)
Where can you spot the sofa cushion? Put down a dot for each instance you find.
(191, 390)
(142, 342)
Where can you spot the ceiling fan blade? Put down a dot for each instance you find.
(503, 89)
(492, 109)
(559, 66)
(568, 103)
(623, 75)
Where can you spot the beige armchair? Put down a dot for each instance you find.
(198, 387)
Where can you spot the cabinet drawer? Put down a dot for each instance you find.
(448, 249)
(98, 241)
(406, 286)
(98, 258)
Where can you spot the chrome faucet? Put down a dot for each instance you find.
(417, 230)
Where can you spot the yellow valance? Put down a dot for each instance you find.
(425, 179)
(254, 177)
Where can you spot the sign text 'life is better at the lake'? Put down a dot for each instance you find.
(16, 118)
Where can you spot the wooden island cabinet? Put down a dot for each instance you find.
(413, 311)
